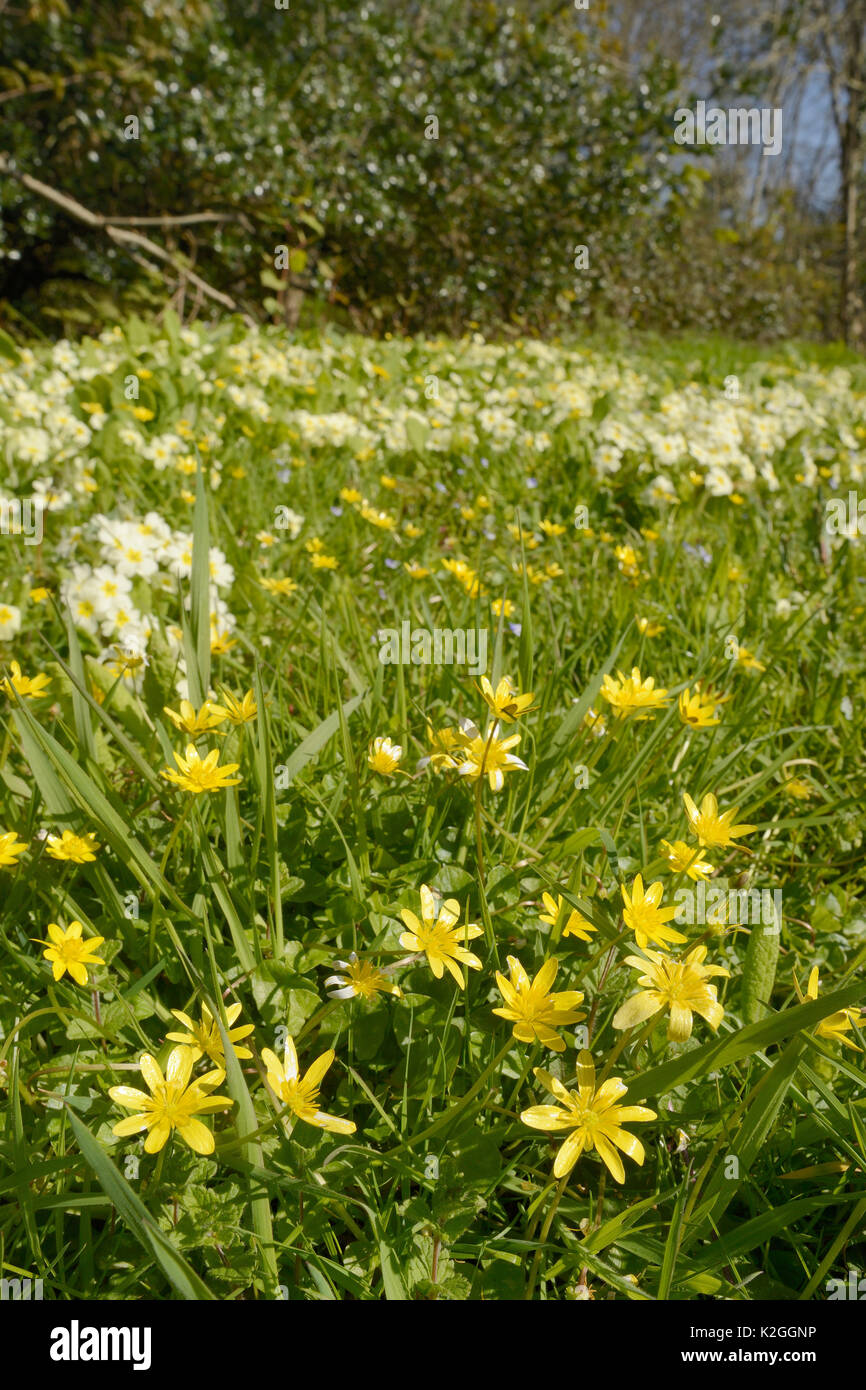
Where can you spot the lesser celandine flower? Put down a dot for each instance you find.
(172, 1104)
(10, 849)
(633, 695)
(712, 828)
(221, 642)
(699, 711)
(530, 1006)
(359, 979)
(210, 716)
(488, 755)
(797, 788)
(645, 917)
(77, 849)
(29, 687)
(504, 701)
(684, 858)
(438, 936)
(196, 774)
(383, 756)
(677, 983)
(301, 1093)
(204, 1038)
(593, 721)
(445, 747)
(593, 1116)
(239, 709)
(68, 950)
(283, 587)
(576, 924)
(835, 1026)
(748, 660)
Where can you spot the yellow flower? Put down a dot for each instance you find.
(359, 979)
(632, 695)
(172, 1104)
(301, 1094)
(576, 925)
(466, 575)
(201, 774)
(279, 586)
(10, 848)
(39, 595)
(414, 570)
(748, 660)
(530, 1006)
(502, 608)
(383, 756)
(350, 495)
(504, 701)
(552, 528)
(320, 561)
(383, 520)
(205, 1037)
(489, 756)
(67, 950)
(78, 849)
(30, 688)
(412, 531)
(683, 859)
(445, 745)
(678, 983)
(699, 710)
(835, 1026)
(221, 642)
(628, 560)
(240, 709)
(644, 916)
(797, 788)
(437, 936)
(210, 716)
(593, 1116)
(648, 628)
(593, 721)
(710, 827)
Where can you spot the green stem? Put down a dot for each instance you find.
(545, 1232)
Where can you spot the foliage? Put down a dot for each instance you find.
(368, 484)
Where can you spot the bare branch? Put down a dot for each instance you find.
(118, 234)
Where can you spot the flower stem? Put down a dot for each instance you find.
(545, 1231)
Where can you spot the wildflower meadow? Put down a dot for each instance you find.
(431, 828)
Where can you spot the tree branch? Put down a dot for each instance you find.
(120, 234)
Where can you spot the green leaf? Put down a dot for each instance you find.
(138, 1219)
